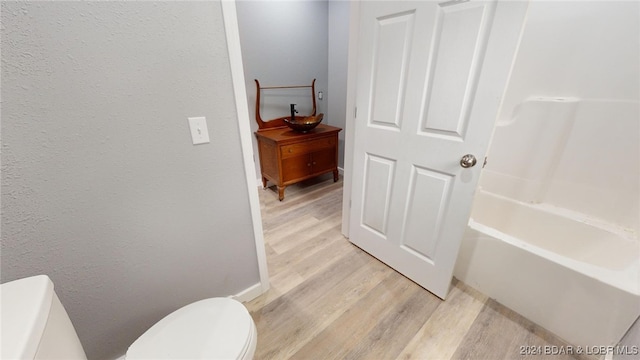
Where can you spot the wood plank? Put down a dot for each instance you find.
(443, 332)
(303, 234)
(293, 207)
(315, 304)
(499, 333)
(337, 340)
(306, 253)
(395, 329)
(331, 300)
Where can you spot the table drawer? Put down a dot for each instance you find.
(307, 147)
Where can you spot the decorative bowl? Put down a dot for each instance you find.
(304, 124)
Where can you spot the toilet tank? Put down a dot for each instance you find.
(35, 325)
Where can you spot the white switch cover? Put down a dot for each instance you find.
(199, 131)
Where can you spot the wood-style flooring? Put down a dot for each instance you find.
(331, 300)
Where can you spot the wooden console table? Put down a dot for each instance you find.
(288, 157)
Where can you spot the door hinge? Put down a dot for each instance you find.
(485, 162)
(355, 112)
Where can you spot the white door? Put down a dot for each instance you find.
(430, 79)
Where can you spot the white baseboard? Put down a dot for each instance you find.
(249, 293)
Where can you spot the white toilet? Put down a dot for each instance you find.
(35, 325)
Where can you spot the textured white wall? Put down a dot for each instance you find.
(283, 42)
(101, 187)
(575, 144)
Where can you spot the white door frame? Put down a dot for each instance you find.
(354, 24)
(239, 88)
(242, 107)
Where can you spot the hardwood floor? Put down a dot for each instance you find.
(331, 300)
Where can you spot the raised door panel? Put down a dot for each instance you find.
(426, 206)
(461, 34)
(378, 180)
(392, 35)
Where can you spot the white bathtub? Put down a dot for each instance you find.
(573, 276)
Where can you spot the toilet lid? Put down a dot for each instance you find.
(216, 328)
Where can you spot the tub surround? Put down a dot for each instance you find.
(554, 229)
(547, 153)
(568, 131)
(558, 272)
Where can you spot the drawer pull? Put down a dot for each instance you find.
(308, 164)
(290, 150)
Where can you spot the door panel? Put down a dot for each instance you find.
(392, 40)
(460, 41)
(427, 200)
(378, 179)
(430, 77)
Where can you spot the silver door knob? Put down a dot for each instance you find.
(468, 161)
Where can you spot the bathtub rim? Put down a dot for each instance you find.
(627, 234)
(627, 280)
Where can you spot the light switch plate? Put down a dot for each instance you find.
(199, 131)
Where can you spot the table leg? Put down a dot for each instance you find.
(281, 192)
